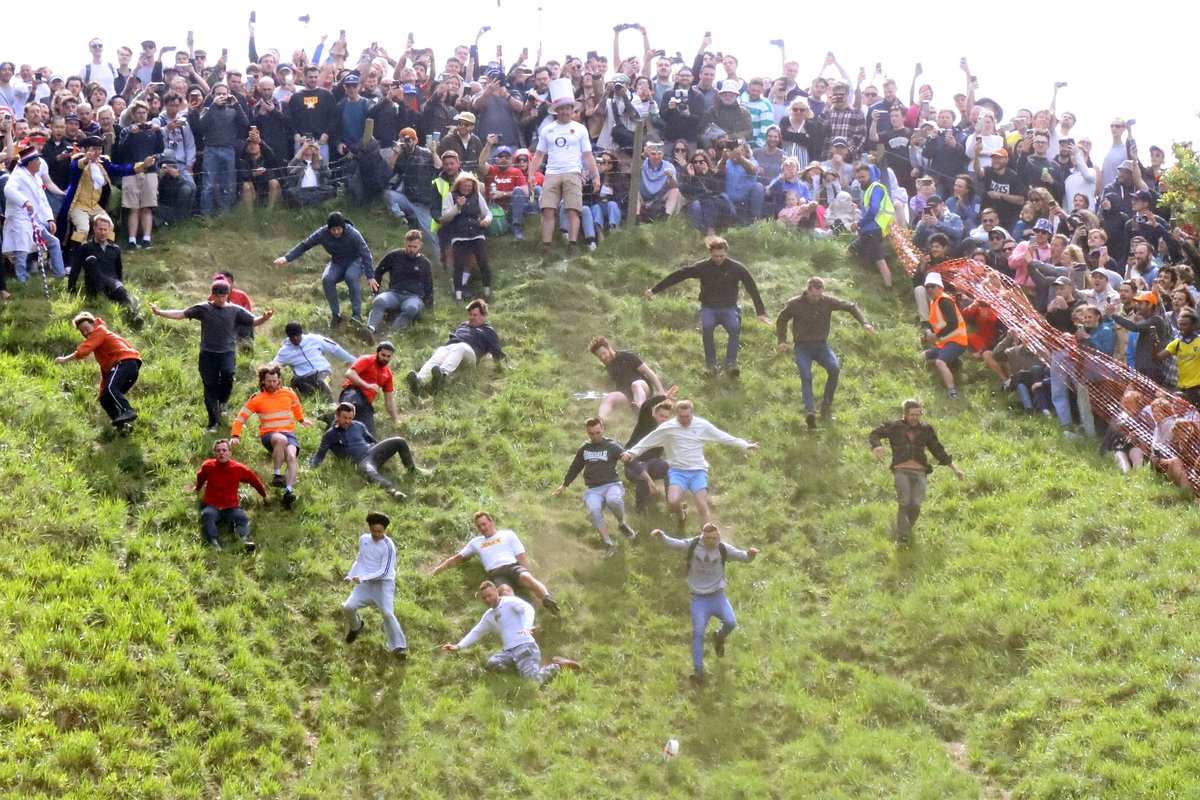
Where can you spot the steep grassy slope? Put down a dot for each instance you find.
(1039, 639)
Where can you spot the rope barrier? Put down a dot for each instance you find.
(1160, 424)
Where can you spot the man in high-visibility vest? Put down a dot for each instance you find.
(877, 216)
(947, 331)
(278, 409)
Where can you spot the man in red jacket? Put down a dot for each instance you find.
(119, 366)
(221, 503)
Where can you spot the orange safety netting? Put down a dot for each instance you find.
(1117, 394)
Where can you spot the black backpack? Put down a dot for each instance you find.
(693, 543)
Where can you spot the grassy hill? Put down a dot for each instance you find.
(1039, 640)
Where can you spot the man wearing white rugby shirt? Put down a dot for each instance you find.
(503, 558)
(565, 147)
(511, 618)
(683, 439)
(374, 577)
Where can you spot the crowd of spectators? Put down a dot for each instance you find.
(175, 132)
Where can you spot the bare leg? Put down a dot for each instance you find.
(291, 465)
(279, 448)
(147, 215)
(884, 272)
(572, 225)
(274, 190)
(944, 371)
(533, 584)
(641, 391)
(608, 403)
(131, 220)
(702, 506)
(1122, 460)
(675, 501)
(995, 366)
(547, 225)
(248, 195)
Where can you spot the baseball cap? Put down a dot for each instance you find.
(1144, 195)
(621, 78)
(1000, 151)
(933, 200)
(408, 88)
(840, 141)
(350, 80)
(1126, 164)
(1062, 280)
(502, 150)
(1146, 297)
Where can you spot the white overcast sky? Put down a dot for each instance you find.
(1114, 68)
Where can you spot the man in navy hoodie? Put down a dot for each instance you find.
(349, 259)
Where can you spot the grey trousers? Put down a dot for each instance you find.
(910, 493)
(526, 659)
(381, 594)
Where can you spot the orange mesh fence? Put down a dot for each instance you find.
(1118, 395)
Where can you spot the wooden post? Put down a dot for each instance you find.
(635, 174)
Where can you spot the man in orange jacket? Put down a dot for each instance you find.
(119, 366)
(278, 409)
(946, 332)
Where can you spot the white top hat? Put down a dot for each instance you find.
(562, 92)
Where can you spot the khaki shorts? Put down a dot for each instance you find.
(81, 222)
(140, 191)
(567, 186)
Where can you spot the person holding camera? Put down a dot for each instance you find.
(683, 110)
(497, 110)
(139, 192)
(220, 127)
(308, 181)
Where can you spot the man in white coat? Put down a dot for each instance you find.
(28, 207)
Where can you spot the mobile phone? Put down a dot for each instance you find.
(189, 36)
(1129, 123)
(776, 42)
(708, 34)
(342, 33)
(253, 17)
(37, 76)
(410, 39)
(224, 52)
(660, 53)
(879, 66)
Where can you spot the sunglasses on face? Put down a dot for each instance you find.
(680, 149)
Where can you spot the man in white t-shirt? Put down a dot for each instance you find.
(98, 71)
(565, 147)
(503, 558)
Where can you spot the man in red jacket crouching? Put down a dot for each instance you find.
(221, 503)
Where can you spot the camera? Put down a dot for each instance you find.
(37, 76)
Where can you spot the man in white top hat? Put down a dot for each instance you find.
(565, 148)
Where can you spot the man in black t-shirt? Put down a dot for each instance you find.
(632, 378)
(1002, 187)
(597, 459)
(218, 344)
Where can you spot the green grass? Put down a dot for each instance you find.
(1038, 641)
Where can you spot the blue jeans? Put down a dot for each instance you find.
(219, 173)
(516, 207)
(704, 608)
(399, 204)
(587, 223)
(1060, 386)
(821, 353)
(706, 214)
(53, 251)
(749, 202)
(350, 273)
(731, 320)
(404, 305)
(211, 517)
(606, 212)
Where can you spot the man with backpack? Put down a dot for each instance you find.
(706, 558)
